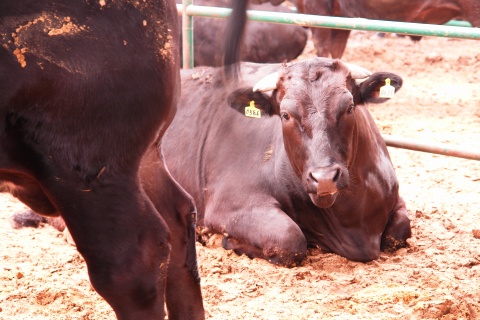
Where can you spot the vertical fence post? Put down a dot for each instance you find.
(187, 36)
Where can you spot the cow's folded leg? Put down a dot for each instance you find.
(266, 233)
(397, 230)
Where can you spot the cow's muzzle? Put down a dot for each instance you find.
(322, 185)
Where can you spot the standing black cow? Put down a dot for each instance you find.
(87, 89)
(312, 169)
(263, 42)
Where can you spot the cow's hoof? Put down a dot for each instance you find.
(26, 219)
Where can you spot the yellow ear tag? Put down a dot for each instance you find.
(252, 111)
(387, 91)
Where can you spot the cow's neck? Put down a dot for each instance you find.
(373, 183)
(370, 151)
(288, 184)
(359, 213)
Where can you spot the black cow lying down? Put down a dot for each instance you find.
(87, 89)
(312, 170)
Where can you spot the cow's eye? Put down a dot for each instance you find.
(285, 116)
(350, 109)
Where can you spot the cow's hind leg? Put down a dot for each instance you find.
(124, 241)
(397, 230)
(183, 294)
(266, 233)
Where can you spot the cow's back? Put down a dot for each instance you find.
(428, 11)
(210, 144)
(68, 49)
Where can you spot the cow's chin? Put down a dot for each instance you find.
(323, 201)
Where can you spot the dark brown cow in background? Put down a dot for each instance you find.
(332, 42)
(87, 89)
(312, 170)
(263, 42)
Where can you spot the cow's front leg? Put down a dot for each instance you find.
(257, 232)
(398, 229)
(322, 41)
(339, 39)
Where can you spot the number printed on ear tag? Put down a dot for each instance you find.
(387, 91)
(253, 112)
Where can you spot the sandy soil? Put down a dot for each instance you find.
(436, 277)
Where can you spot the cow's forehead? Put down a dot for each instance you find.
(311, 79)
(311, 67)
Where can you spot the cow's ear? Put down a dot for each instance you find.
(370, 89)
(241, 100)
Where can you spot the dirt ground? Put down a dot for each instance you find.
(436, 277)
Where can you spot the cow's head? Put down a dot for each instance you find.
(316, 100)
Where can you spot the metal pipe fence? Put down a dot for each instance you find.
(187, 34)
(453, 29)
(442, 149)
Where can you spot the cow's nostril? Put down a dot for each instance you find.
(337, 175)
(325, 175)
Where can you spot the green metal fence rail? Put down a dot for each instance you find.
(187, 34)
(453, 29)
(458, 23)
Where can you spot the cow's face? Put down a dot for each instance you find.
(315, 100)
(316, 108)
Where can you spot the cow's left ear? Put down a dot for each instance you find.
(369, 90)
(241, 100)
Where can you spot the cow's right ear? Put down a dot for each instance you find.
(241, 100)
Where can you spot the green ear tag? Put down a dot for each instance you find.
(252, 111)
(387, 91)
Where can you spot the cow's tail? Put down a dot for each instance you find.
(233, 38)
